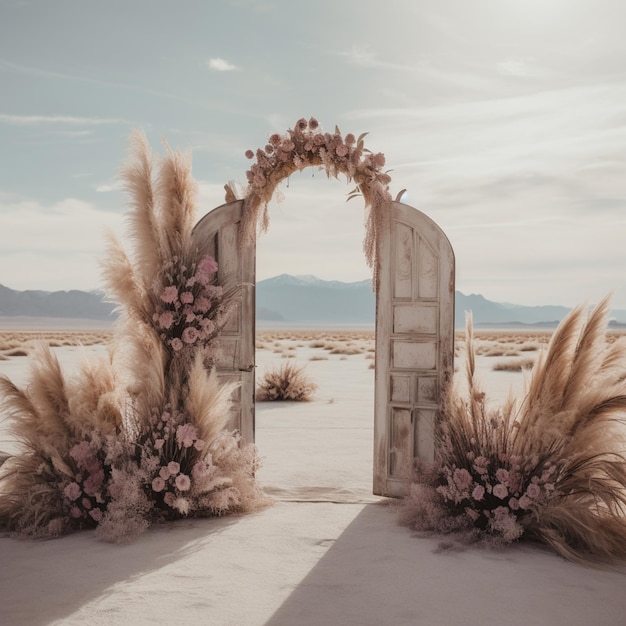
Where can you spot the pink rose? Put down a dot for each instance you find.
(190, 334)
(173, 467)
(500, 491)
(249, 154)
(533, 490)
(186, 297)
(525, 502)
(478, 493)
(182, 482)
(72, 491)
(169, 294)
(164, 472)
(462, 479)
(513, 504)
(176, 344)
(502, 475)
(169, 498)
(158, 484)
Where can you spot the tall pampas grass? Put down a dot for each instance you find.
(140, 435)
(549, 467)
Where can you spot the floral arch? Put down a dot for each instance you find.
(306, 145)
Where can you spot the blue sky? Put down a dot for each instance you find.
(504, 119)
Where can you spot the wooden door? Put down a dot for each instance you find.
(414, 344)
(217, 234)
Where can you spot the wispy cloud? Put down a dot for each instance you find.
(26, 120)
(221, 65)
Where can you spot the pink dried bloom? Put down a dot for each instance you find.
(166, 319)
(181, 505)
(462, 479)
(313, 123)
(379, 159)
(169, 294)
(319, 139)
(202, 304)
(182, 482)
(350, 139)
(94, 482)
(275, 139)
(190, 335)
(190, 316)
(301, 124)
(164, 472)
(269, 148)
(199, 469)
(480, 464)
(158, 443)
(249, 154)
(75, 512)
(478, 493)
(533, 490)
(80, 452)
(173, 467)
(502, 475)
(287, 145)
(525, 502)
(86, 502)
(186, 435)
(72, 491)
(513, 504)
(207, 265)
(199, 444)
(169, 498)
(186, 297)
(96, 514)
(500, 491)
(176, 344)
(158, 484)
(341, 150)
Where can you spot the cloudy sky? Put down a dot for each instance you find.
(504, 119)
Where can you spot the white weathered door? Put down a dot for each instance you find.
(414, 344)
(217, 234)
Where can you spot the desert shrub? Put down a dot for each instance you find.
(514, 365)
(287, 382)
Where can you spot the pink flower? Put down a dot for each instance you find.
(513, 504)
(158, 484)
(202, 304)
(533, 490)
(341, 150)
(75, 512)
(80, 452)
(301, 124)
(169, 294)
(525, 502)
(96, 514)
(462, 479)
(173, 467)
(186, 297)
(480, 464)
(158, 443)
(275, 139)
(164, 472)
(182, 482)
(199, 470)
(181, 505)
(72, 491)
(502, 475)
(207, 266)
(166, 319)
(287, 145)
(185, 435)
(350, 139)
(379, 159)
(94, 482)
(199, 444)
(269, 148)
(479, 493)
(190, 334)
(176, 344)
(169, 498)
(500, 491)
(249, 154)
(313, 123)
(190, 316)
(86, 502)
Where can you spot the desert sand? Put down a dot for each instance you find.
(326, 552)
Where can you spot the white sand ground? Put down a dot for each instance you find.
(326, 553)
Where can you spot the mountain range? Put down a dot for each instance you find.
(291, 299)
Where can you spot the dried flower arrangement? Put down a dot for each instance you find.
(306, 145)
(139, 435)
(551, 470)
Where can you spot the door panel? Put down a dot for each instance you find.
(217, 233)
(414, 344)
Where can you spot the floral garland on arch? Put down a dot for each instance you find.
(306, 145)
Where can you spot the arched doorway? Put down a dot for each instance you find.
(413, 265)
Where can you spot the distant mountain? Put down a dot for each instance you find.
(295, 299)
(58, 304)
(309, 299)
